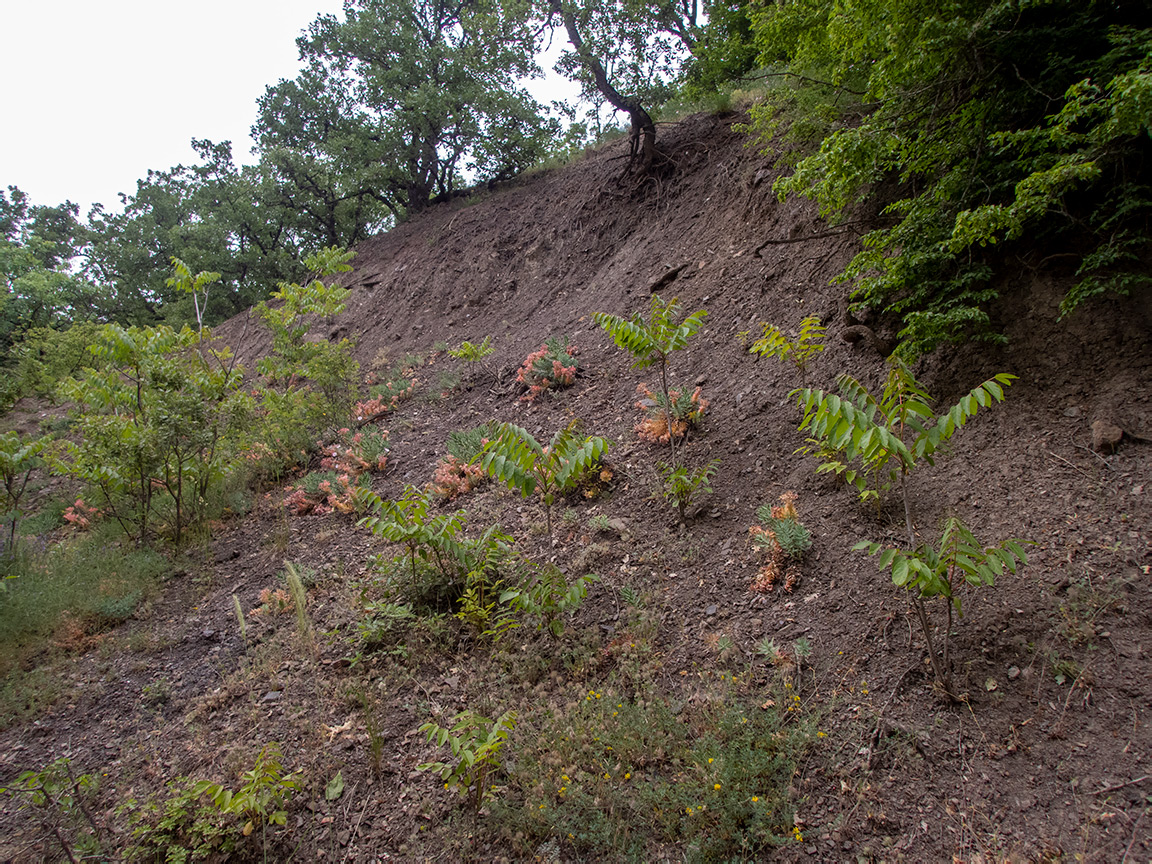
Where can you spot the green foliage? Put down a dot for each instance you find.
(551, 367)
(723, 52)
(58, 797)
(519, 461)
(264, 791)
(37, 286)
(213, 214)
(467, 444)
(548, 596)
(309, 383)
(887, 439)
(473, 353)
(193, 823)
(19, 457)
(483, 605)
(89, 581)
(44, 357)
(443, 566)
(939, 571)
(871, 434)
(933, 571)
(786, 531)
(476, 743)
(294, 577)
(1010, 126)
(157, 425)
(396, 99)
(618, 774)
(433, 537)
(197, 286)
(384, 623)
(651, 342)
(807, 344)
(681, 485)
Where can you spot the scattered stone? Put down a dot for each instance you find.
(1072, 412)
(1105, 436)
(272, 696)
(1013, 673)
(711, 610)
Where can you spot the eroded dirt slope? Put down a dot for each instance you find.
(1048, 757)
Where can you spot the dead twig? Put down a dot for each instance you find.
(1106, 463)
(1117, 787)
(1071, 465)
(1132, 842)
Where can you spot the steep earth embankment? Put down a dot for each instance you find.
(1048, 757)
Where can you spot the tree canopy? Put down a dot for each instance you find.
(400, 99)
(1007, 127)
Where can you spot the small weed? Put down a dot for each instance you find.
(552, 367)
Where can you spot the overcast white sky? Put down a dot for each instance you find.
(96, 93)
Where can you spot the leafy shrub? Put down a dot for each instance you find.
(476, 355)
(59, 797)
(158, 427)
(321, 492)
(808, 343)
(652, 342)
(869, 433)
(681, 485)
(387, 396)
(46, 356)
(552, 367)
(939, 571)
(308, 383)
(184, 828)
(476, 743)
(548, 596)
(781, 541)
(467, 444)
(866, 431)
(520, 462)
(354, 452)
(455, 477)
(384, 623)
(617, 775)
(669, 417)
(19, 457)
(457, 474)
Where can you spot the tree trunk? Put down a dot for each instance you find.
(643, 138)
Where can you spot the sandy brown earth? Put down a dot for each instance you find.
(1045, 758)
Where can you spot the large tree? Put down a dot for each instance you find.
(211, 214)
(401, 100)
(625, 53)
(37, 285)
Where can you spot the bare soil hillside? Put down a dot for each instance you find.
(1047, 757)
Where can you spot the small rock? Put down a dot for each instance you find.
(272, 696)
(1013, 673)
(711, 610)
(1105, 436)
(701, 380)
(1072, 412)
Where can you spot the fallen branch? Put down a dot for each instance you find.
(1120, 786)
